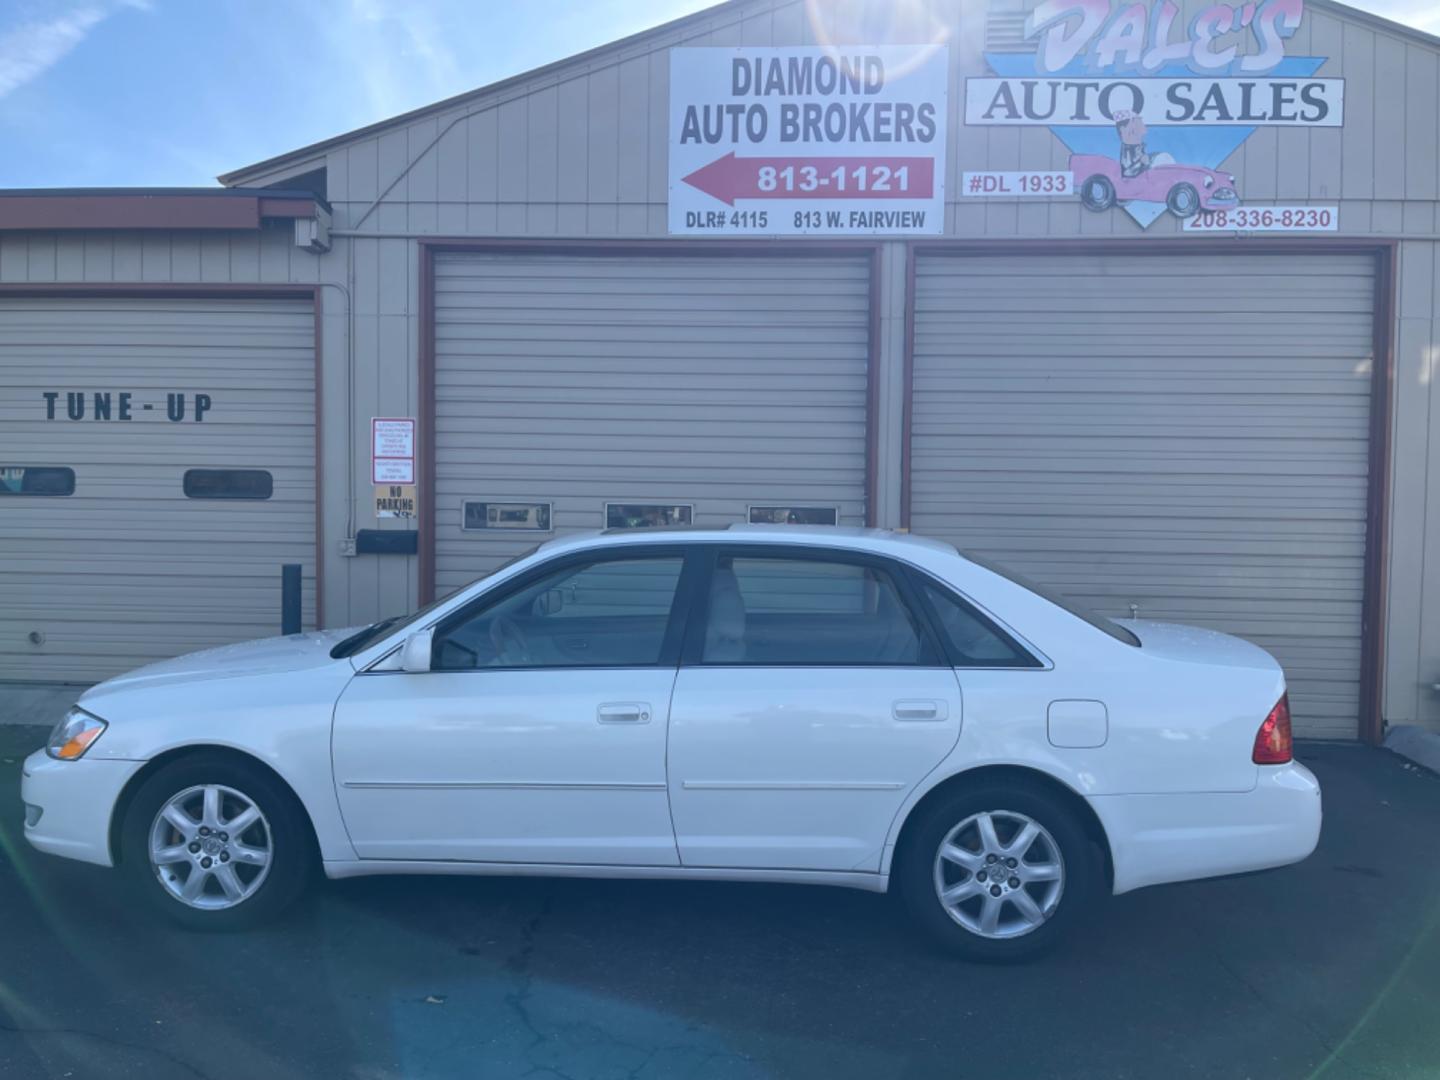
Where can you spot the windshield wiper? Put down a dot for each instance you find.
(355, 642)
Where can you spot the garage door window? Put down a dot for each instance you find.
(646, 515)
(809, 612)
(36, 480)
(792, 515)
(228, 484)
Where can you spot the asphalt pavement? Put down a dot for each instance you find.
(1327, 969)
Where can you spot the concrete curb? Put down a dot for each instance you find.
(1420, 745)
(36, 704)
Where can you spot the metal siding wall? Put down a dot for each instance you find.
(1413, 619)
(1207, 463)
(128, 569)
(581, 380)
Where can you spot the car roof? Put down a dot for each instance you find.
(822, 535)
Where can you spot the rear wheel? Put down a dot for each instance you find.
(997, 872)
(216, 844)
(1097, 193)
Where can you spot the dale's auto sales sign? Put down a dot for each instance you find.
(808, 140)
(1151, 106)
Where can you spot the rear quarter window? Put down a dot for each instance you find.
(1080, 611)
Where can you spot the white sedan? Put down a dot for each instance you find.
(819, 705)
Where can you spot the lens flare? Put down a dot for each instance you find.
(914, 23)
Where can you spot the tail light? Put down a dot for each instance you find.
(1274, 744)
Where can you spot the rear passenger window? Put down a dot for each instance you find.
(809, 612)
(228, 484)
(36, 480)
(973, 640)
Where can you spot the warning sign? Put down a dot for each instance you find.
(808, 140)
(392, 450)
(394, 500)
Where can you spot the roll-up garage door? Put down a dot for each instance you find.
(1187, 434)
(157, 468)
(667, 387)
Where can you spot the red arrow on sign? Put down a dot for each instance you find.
(730, 178)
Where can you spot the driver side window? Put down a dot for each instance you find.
(607, 613)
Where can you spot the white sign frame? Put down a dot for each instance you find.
(808, 140)
(392, 450)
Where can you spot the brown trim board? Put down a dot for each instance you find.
(218, 210)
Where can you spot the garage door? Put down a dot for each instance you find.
(157, 468)
(1186, 434)
(666, 389)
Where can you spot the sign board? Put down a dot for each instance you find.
(1150, 106)
(395, 500)
(392, 450)
(808, 140)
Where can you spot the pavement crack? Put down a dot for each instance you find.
(104, 1040)
(518, 964)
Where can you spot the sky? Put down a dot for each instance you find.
(101, 93)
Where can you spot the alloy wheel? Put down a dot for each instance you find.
(999, 874)
(211, 847)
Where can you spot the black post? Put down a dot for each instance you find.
(290, 598)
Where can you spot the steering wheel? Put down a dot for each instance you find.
(511, 644)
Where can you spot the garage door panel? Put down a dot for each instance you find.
(128, 569)
(1084, 420)
(716, 382)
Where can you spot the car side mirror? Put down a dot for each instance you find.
(549, 602)
(418, 651)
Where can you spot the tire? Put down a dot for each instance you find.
(920, 873)
(1097, 193)
(252, 891)
(1183, 201)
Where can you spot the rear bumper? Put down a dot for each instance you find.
(1156, 839)
(74, 801)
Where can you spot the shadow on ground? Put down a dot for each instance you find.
(1328, 969)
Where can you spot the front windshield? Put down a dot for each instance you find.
(1100, 622)
(398, 623)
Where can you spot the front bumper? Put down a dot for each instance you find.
(1156, 839)
(74, 800)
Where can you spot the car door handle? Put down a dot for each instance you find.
(920, 710)
(623, 712)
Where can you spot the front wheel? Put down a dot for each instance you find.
(998, 872)
(216, 844)
(1183, 200)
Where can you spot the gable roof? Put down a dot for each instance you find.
(305, 156)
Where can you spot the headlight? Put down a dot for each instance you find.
(74, 735)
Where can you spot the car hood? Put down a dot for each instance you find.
(268, 656)
(1196, 645)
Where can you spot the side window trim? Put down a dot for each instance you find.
(919, 578)
(692, 655)
(674, 627)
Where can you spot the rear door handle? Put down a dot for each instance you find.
(920, 710)
(623, 712)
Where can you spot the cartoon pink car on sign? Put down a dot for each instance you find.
(1184, 189)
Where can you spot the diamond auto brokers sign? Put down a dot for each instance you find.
(808, 140)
